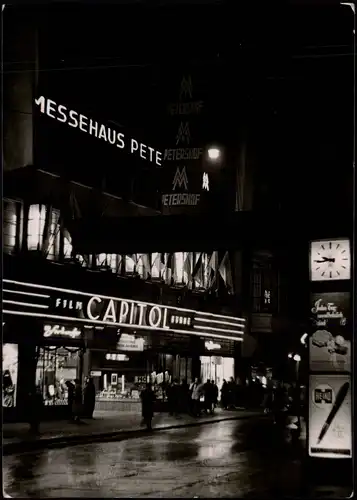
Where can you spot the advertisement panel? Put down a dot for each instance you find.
(330, 343)
(330, 417)
(10, 357)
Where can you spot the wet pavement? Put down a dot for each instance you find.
(225, 459)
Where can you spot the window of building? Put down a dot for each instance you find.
(55, 367)
(113, 261)
(101, 260)
(85, 261)
(155, 265)
(36, 224)
(179, 267)
(55, 236)
(130, 264)
(9, 226)
(200, 279)
(256, 289)
(67, 245)
(187, 267)
(140, 266)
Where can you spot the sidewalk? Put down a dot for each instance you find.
(105, 425)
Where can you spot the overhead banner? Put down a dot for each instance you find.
(330, 342)
(330, 416)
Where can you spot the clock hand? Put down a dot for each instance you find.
(325, 259)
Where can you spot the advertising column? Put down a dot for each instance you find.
(330, 383)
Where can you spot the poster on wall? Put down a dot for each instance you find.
(330, 417)
(330, 310)
(330, 343)
(10, 356)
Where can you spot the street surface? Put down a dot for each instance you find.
(226, 459)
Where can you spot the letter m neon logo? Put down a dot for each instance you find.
(180, 179)
(183, 134)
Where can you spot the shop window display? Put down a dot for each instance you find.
(119, 387)
(56, 366)
(10, 358)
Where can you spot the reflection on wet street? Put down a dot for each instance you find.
(230, 458)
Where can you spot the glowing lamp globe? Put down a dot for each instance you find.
(214, 153)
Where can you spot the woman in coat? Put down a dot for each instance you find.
(147, 404)
(89, 398)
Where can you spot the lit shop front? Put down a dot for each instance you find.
(218, 362)
(121, 343)
(39, 352)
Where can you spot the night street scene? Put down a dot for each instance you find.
(178, 249)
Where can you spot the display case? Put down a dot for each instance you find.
(56, 366)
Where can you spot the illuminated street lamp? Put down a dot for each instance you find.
(297, 357)
(214, 154)
(290, 355)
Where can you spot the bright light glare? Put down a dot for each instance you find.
(290, 355)
(297, 357)
(214, 153)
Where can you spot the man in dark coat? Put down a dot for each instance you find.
(89, 398)
(78, 401)
(214, 395)
(185, 396)
(224, 394)
(231, 393)
(208, 393)
(173, 397)
(147, 404)
(70, 389)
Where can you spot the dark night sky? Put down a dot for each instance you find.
(265, 75)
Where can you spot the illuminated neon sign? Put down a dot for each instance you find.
(76, 120)
(60, 304)
(61, 331)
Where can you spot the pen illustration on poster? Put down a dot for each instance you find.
(330, 344)
(330, 432)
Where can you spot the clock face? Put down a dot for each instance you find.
(330, 260)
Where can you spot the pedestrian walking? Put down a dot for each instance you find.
(35, 407)
(173, 397)
(185, 396)
(70, 390)
(147, 406)
(89, 398)
(77, 401)
(225, 394)
(214, 395)
(208, 395)
(197, 392)
(231, 393)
